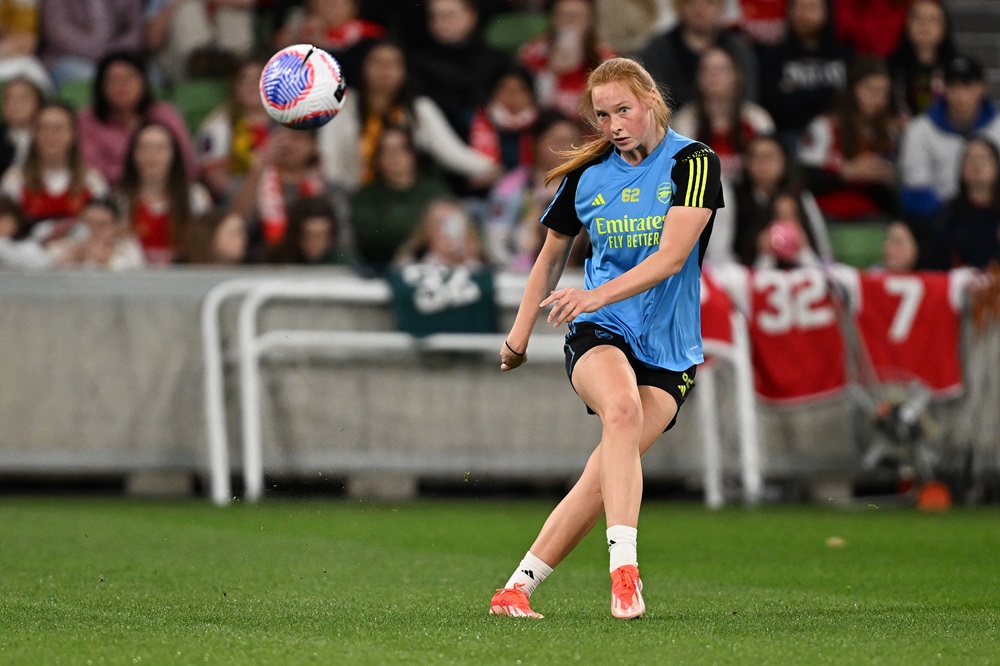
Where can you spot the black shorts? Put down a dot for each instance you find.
(585, 336)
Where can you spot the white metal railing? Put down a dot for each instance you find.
(253, 346)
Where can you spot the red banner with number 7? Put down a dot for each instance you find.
(911, 325)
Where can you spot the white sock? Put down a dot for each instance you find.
(530, 572)
(621, 546)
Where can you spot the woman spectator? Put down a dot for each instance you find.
(229, 136)
(672, 58)
(562, 56)
(383, 210)
(901, 249)
(970, 223)
(765, 174)
(807, 70)
(336, 27)
(218, 238)
(502, 128)
(456, 68)
(21, 100)
(53, 183)
(313, 236)
(123, 101)
(382, 97)
(156, 198)
(848, 156)
(719, 116)
(917, 66)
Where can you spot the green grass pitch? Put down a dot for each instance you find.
(337, 581)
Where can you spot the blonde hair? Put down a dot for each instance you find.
(637, 80)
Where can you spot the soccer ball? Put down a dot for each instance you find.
(302, 87)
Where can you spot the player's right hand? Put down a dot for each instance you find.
(509, 360)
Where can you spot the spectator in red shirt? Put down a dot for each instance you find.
(156, 197)
(848, 156)
(563, 55)
(870, 27)
(53, 183)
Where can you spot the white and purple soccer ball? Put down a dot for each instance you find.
(302, 87)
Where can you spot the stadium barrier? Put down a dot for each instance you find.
(108, 374)
(253, 347)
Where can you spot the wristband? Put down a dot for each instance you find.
(512, 349)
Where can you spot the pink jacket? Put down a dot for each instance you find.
(104, 146)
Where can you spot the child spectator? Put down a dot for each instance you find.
(561, 58)
(766, 174)
(382, 97)
(672, 58)
(123, 101)
(807, 70)
(848, 156)
(446, 235)
(785, 242)
(383, 210)
(970, 224)
(917, 65)
(76, 35)
(98, 240)
(21, 100)
(456, 68)
(53, 183)
(229, 136)
(719, 116)
(156, 198)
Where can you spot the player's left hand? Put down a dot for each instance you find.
(570, 303)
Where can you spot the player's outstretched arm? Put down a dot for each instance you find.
(542, 280)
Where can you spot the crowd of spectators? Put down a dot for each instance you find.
(835, 120)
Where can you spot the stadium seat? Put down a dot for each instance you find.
(507, 31)
(195, 98)
(857, 244)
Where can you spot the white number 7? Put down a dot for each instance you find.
(911, 292)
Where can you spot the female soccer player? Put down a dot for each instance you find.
(647, 196)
